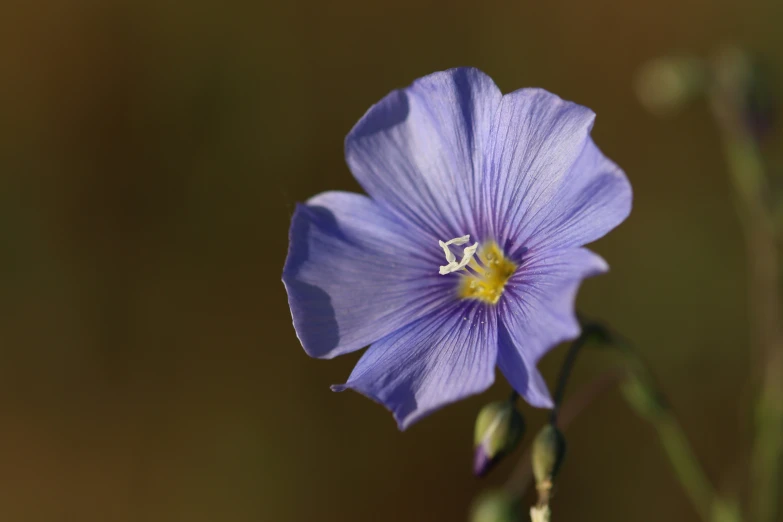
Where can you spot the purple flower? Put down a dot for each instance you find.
(467, 252)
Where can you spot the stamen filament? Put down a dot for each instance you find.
(467, 254)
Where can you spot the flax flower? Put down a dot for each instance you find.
(467, 252)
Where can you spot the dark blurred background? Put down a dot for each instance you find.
(151, 154)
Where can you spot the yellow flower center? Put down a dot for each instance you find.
(490, 274)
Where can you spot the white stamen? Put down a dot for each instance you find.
(467, 254)
(456, 241)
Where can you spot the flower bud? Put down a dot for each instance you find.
(499, 428)
(747, 82)
(495, 506)
(761, 105)
(667, 84)
(548, 452)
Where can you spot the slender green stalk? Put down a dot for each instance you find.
(644, 397)
(686, 466)
(565, 373)
(746, 169)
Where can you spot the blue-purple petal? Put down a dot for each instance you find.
(594, 198)
(547, 180)
(353, 275)
(419, 151)
(537, 313)
(445, 356)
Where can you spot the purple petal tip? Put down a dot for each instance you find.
(482, 462)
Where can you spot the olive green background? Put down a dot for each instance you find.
(151, 154)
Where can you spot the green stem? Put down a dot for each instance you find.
(565, 373)
(747, 174)
(685, 465)
(644, 396)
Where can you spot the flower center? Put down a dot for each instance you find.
(486, 270)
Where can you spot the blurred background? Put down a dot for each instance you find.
(151, 154)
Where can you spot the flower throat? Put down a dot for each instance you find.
(485, 270)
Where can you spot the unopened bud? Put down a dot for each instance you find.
(745, 80)
(761, 104)
(495, 506)
(499, 428)
(666, 84)
(548, 452)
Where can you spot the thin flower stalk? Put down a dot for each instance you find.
(746, 170)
